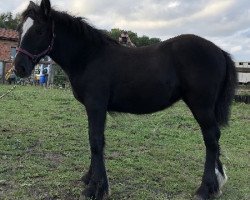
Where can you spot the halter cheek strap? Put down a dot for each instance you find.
(35, 57)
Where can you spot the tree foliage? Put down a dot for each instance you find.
(138, 41)
(8, 21)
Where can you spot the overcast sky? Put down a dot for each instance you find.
(225, 22)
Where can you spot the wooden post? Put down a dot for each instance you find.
(52, 74)
(1, 72)
(4, 68)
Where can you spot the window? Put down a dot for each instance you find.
(12, 53)
(241, 63)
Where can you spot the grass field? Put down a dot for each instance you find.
(44, 150)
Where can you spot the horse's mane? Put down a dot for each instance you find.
(79, 26)
(73, 24)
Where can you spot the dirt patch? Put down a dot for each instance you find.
(34, 146)
(55, 158)
(113, 155)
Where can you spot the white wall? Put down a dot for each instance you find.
(243, 77)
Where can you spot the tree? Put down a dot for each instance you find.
(8, 21)
(115, 33)
(133, 36)
(154, 40)
(143, 41)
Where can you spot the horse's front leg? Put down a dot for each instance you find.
(96, 178)
(87, 177)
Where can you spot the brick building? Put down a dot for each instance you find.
(8, 43)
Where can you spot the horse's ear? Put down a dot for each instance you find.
(32, 4)
(45, 7)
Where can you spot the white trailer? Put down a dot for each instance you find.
(243, 69)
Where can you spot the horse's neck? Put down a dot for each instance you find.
(69, 51)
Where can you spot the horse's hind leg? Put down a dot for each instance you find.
(213, 176)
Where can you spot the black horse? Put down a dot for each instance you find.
(106, 76)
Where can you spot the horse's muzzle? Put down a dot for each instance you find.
(22, 66)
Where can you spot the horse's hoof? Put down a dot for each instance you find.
(218, 194)
(96, 192)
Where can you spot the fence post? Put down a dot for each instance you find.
(4, 68)
(51, 75)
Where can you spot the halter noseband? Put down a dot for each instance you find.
(35, 57)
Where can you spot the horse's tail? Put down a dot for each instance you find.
(227, 92)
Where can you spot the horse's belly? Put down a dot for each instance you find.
(144, 99)
(137, 108)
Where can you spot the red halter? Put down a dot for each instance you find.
(43, 53)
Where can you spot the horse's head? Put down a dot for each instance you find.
(36, 37)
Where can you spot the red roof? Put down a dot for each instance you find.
(8, 34)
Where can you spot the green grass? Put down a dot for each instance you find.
(44, 150)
